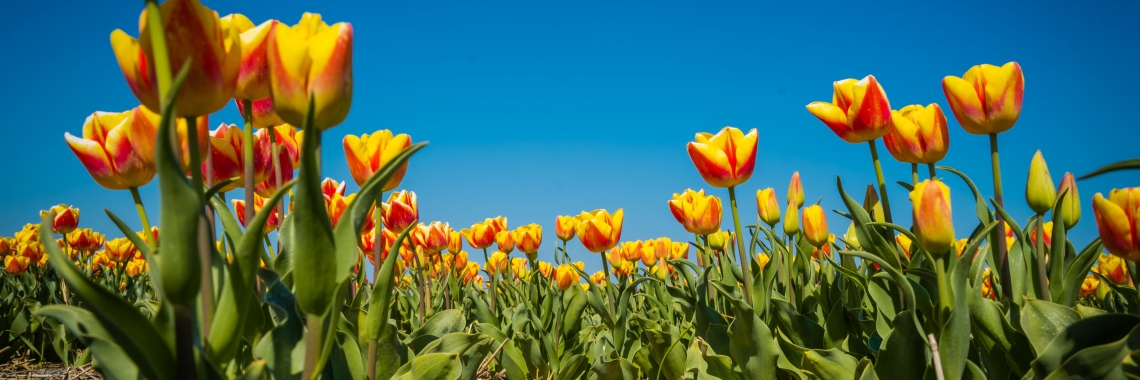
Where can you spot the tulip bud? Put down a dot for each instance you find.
(717, 241)
(919, 134)
(767, 206)
(792, 220)
(872, 205)
(545, 269)
(1116, 224)
(1071, 205)
(796, 191)
(933, 223)
(454, 242)
(598, 230)
(565, 276)
(763, 259)
(815, 225)
(480, 235)
(852, 238)
(598, 278)
(726, 159)
(679, 250)
(564, 227)
(32, 250)
(987, 285)
(66, 218)
(7, 244)
(1039, 190)
(698, 213)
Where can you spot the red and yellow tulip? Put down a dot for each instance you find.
(933, 224)
(311, 58)
(1089, 286)
(253, 74)
(1113, 268)
(65, 219)
(697, 212)
(258, 204)
(455, 242)
(433, 237)
(1116, 219)
(262, 112)
(565, 276)
(114, 148)
(401, 210)
(987, 99)
(796, 190)
(919, 134)
(505, 240)
(120, 250)
(16, 265)
(480, 235)
(1072, 202)
(725, 159)
(229, 162)
(368, 153)
(598, 230)
(564, 227)
(767, 206)
(31, 250)
(859, 110)
(527, 239)
(815, 225)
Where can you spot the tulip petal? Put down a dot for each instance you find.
(1004, 92)
(712, 163)
(831, 115)
(131, 168)
(1115, 227)
(95, 159)
(966, 104)
(331, 74)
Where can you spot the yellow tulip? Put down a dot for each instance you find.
(987, 99)
(726, 159)
(120, 250)
(545, 269)
(311, 58)
(228, 160)
(698, 213)
(1116, 220)
(506, 241)
(767, 206)
(1089, 286)
(253, 74)
(1039, 190)
(401, 210)
(1072, 202)
(454, 242)
(433, 237)
(564, 227)
(83, 239)
(565, 276)
(792, 220)
(1113, 268)
(480, 235)
(919, 134)
(16, 265)
(368, 153)
(859, 110)
(796, 190)
(527, 239)
(598, 230)
(933, 224)
(815, 226)
(113, 148)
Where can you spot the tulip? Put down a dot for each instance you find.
(518, 267)
(718, 241)
(269, 186)
(289, 140)
(598, 230)
(528, 238)
(598, 278)
(401, 210)
(1116, 220)
(120, 250)
(83, 239)
(100, 261)
(387, 238)
(987, 285)
(153, 236)
(506, 241)
(859, 111)
(630, 250)
(1039, 190)
(796, 190)
(194, 35)
(679, 250)
(625, 269)
(496, 264)
(698, 213)
(471, 272)
(564, 227)
(725, 159)
(651, 250)
(1113, 268)
(545, 269)
(253, 74)
(65, 219)
(454, 242)
(311, 58)
(616, 256)
(136, 267)
(1071, 204)
(1090, 285)
(228, 160)
(825, 249)
(258, 204)
(933, 224)
(565, 276)
(337, 204)
(815, 225)
(29, 234)
(31, 250)
(763, 259)
(987, 100)
(767, 207)
(851, 238)
(7, 244)
(1047, 232)
(961, 244)
(919, 134)
(460, 260)
(16, 265)
(112, 150)
(792, 220)
(433, 237)
(263, 114)
(368, 153)
(481, 235)
(580, 265)
(330, 187)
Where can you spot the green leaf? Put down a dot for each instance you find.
(440, 324)
(1115, 166)
(513, 361)
(1042, 321)
(314, 248)
(1091, 332)
(668, 354)
(980, 208)
(799, 328)
(379, 303)
(903, 353)
(472, 349)
(1075, 274)
(111, 361)
(614, 369)
(431, 367)
(346, 360)
(830, 364)
(181, 211)
(752, 344)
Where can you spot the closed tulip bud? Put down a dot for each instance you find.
(136, 267)
(31, 250)
(872, 205)
(792, 220)
(460, 262)
(65, 219)
(796, 190)
(919, 134)
(545, 269)
(717, 241)
(85, 239)
(565, 276)
(598, 230)
(262, 113)
(527, 239)
(253, 74)
(120, 250)
(616, 255)
(815, 225)
(1039, 190)
(311, 58)
(401, 210)
(16, 265)
(564, 227)
(506, 241)
(679, 251)
(658, 271)
(1089, 286)
(763, 259)
(1071, 205)
(194, 35)
(698, 213)
(433, 237)
(480, 235)
(767, 206)
(228, 160)
(726, 159)
(1113, 268)
(852, 238)
(366, 154)
(987, 99)
(454, 242)
(933, 223)
(859, 110)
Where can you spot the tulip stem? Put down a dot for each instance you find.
(882, 183)
(745, 263)
(247, 158)
(377, 230)
(931, 167)
(1002, 259)
(493, 273)
(184, 341)
(277, 178)
(142, 217)
(204, 259)
(423, 291)
(314, 325)
(945, 297)
(914, 174)
(1042, 277)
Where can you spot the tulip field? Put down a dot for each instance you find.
(295, 278)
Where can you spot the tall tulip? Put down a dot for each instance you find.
(506, 241)
(1117, 220)
(401, 210)
(598, 230)
(565, 276)
(16, 265)
(767, 206)
(65, 219)
(433, 237)
(934, 229)
(481, 235)
(987, 101)
(796, 190)
(311, 58)
(564, 227)
(815, 226)
(368, 153)
(228, 160)
(1071, 204)
(698, 213)
(918, 136)
(527, 239)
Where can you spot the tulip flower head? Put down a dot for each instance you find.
(330, 187)
(1089, 286)
(598, 278)
(454, 242)
(625, 269)
(401, 210)
(114, 148)
(796, 190)
(433, 237)
(565, 276)
(471, 272)
(1071, 204)
(460, 261)
(120, 250)
(698, 213)
(650, 252)
(598, 230)
(987, 285)
(545, 269)
(630, 250)
(29, 234)
(859, 110)
(366, 154)
(1116, 220)
(336, 205)
(7, 244)
(194, 35)
(31, 250)
(987, 99)
(815, 225)
(1047, 232)
(718, 241)
(527, 239)
(725, 159)
(679, 250)
(311, 58)
(792, 220)
(267, 187)
(64, 218)
(616, 255)
(1039, 190)
(229, 162)
(136, 267)
(919, 134)
(1113, 268)
(289, 141)
(262, 113)
(933, 224)
(506, 241)
(16, 265)
(258, 204)
(253, 74)
(497, 263)
(480, 235)
(564, 227)
(767, 206)
(763, 260)
(852, 238)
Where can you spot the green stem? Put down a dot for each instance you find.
(423, 292)
(945, 297)
(882, 183)
(204, 243)
(314, 324)
(1042, 277)
(999, 232)
(184, 342)
(609, 285)
(142, 217)
(247, 160)
(377, 230)
(493, 273)
(745, 262)
(914, 174)
(931, 167)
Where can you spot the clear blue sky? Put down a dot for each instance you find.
(535, 109)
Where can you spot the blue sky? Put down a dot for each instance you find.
(535, 109)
